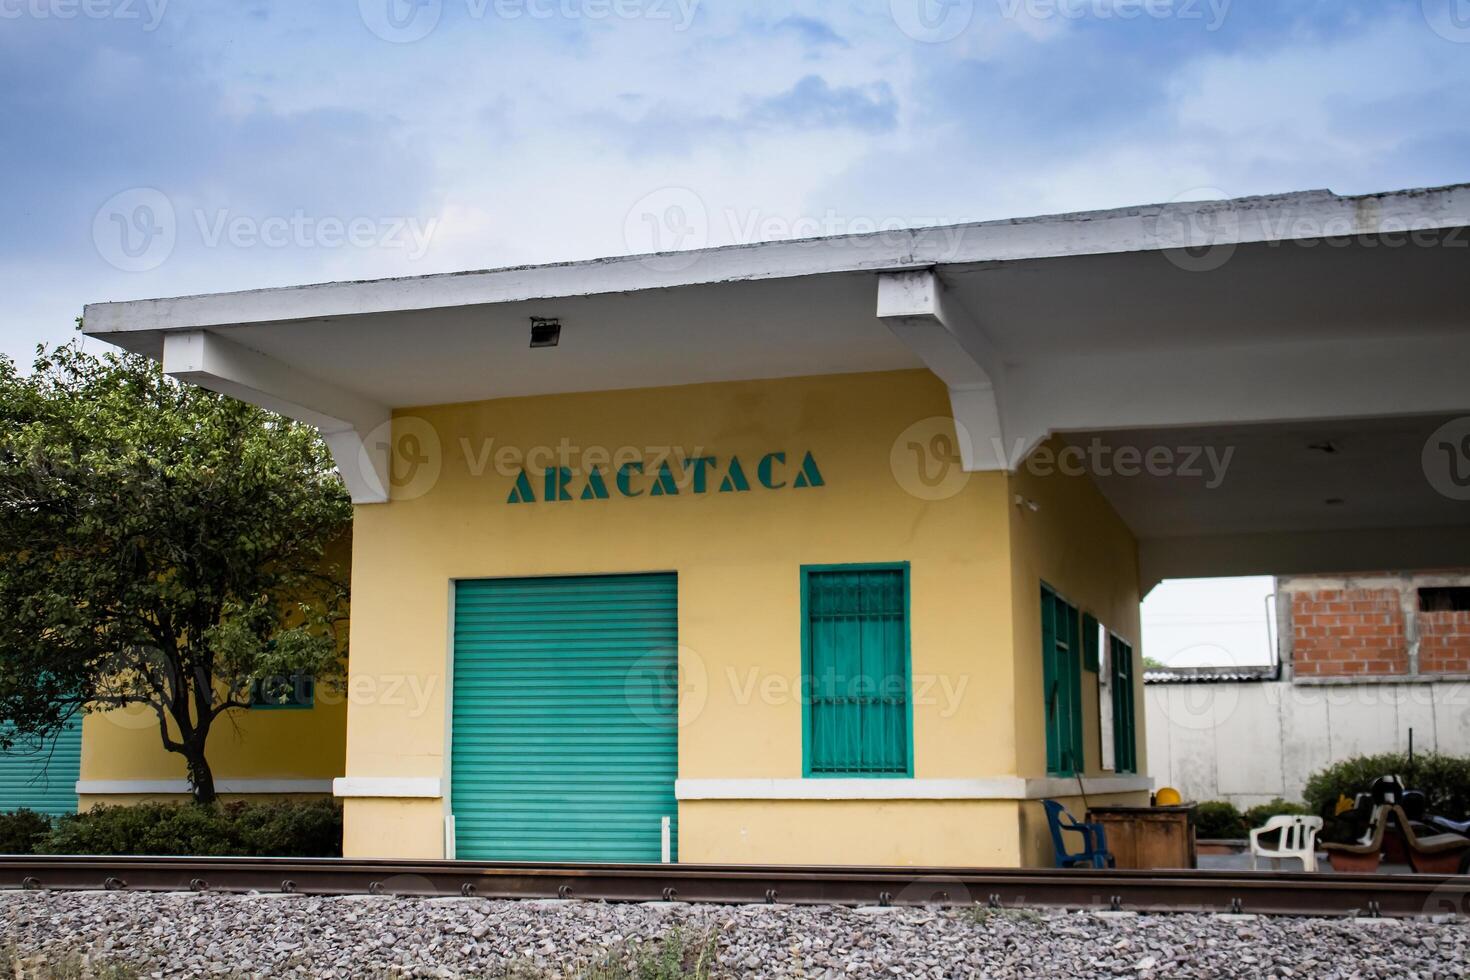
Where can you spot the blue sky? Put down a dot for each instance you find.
(165, 147)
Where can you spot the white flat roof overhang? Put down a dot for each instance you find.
(1290, 307)
(1288, 497)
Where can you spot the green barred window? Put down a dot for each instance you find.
(1061, 672)
(294, 691)
(1125, 744)
(856, 708)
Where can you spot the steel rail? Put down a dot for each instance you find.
(1271, 893)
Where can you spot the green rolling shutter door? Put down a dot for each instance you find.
(565, 728)
(43, 777)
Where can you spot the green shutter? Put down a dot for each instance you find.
(855, 670)
(1125, 742)
(565, 725)
(1050, 685)
(43, 776)
(1061, 674)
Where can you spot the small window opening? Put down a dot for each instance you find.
(545, 332)
(1445, 598)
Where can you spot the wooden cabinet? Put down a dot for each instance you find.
(1148, 836)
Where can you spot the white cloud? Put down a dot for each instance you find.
(529, 141)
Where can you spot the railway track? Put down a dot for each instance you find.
(1273, 893)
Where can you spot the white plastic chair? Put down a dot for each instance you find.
(1298, 840)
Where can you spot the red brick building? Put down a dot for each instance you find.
(1378, 625)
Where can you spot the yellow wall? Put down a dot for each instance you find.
(269, 744)
(1076, 543)
(737, 556)
(266, 744)
(934, 833)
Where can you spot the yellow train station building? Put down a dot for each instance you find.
(813, 552)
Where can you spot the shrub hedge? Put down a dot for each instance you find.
(285, 829)
(22, 830)
(1444, 780)
(1218, 820)
(1256, 816)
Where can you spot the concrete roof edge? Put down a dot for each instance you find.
(1300, 215)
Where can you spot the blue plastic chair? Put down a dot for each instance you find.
(1094, 851)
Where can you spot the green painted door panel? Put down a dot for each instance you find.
(565, 728)
(43, 777)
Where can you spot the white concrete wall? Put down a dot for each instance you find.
(1251, 742)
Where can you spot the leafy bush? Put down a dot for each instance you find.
(1258, 815)
(305, 829)
(22, 830)
(1218, 820)
(1443, 779)
(310, 829)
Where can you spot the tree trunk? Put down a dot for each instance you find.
(201, 777)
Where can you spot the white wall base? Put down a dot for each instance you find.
(170, 787)
(389, 787)
(993, 788)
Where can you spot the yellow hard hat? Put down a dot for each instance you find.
(1168, 796)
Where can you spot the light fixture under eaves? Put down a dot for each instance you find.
(545, 331)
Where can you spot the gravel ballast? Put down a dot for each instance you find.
(188, 935)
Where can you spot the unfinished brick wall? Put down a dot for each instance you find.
(1379, 624)
(1444, 642)
(1345, 632)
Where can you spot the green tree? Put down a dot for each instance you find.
(160, 545)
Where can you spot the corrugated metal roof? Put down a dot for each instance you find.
(1208, 675)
